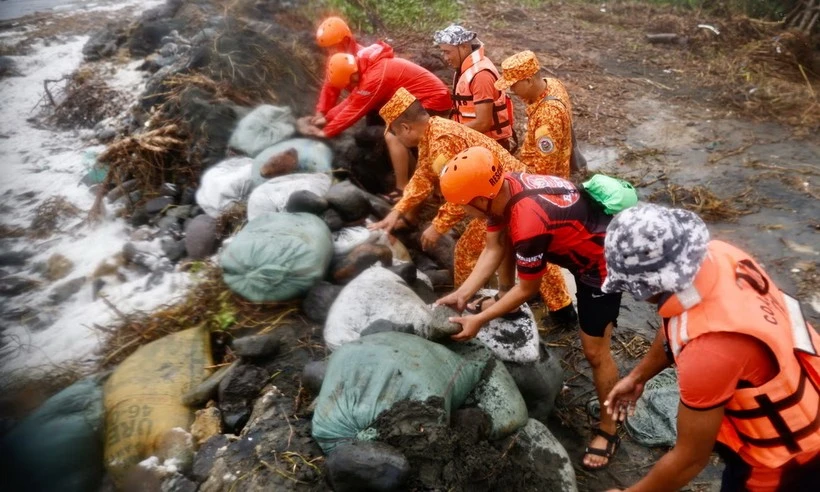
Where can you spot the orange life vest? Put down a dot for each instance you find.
(770, 424)
(463, 106)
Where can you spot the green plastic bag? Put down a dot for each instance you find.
(371, 374)
(613, 194)
(277, 257)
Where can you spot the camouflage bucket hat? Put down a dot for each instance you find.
(453, 35)
(651, 249)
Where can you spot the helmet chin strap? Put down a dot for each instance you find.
(487, 211)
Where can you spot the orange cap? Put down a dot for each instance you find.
(472, 173)
(397, 105)
(332, 31)
(517, 67)
(339, 69)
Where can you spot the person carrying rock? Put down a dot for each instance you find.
(373, 75)
(747, 361)
(438, 140)
(547, 149)
(476, 102)
(548, 221)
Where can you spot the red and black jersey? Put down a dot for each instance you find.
(559, 228)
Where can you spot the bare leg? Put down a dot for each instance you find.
(400, 158)
(604, 375)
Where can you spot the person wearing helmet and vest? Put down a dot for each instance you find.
(547, 146)
(374, 75)
(333, 35)
(476, 101)
(549, 222)
(747, 361)
(438, 140)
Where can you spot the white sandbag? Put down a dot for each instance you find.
(346, 239)
(377, 293)
(313, 156)
(261, 128)
(273, 195)
(224, 184)
(511, 340)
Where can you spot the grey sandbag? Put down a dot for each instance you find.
(261, 128)
(364, 377)
(656, 411)
(277, 257)
(546, 456)
(313, 157)
(60, 445)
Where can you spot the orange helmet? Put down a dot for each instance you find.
(472, 173)
(332, 31)
(339, 69)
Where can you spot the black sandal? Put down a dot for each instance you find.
(613, 442)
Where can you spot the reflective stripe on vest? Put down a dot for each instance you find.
(772, 423)
(464, 109)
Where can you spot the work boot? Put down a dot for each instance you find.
(564, 319)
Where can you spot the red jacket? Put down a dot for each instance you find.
(329, 94)
(380, 75)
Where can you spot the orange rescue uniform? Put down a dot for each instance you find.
(476, 69)
(776, 424)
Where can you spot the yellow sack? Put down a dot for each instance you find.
(143, 396)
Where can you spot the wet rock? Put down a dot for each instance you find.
(360, 259)
(207, 423)
(207, 454)
(14, 258)
(201, 237)
(306, 201)
(319, 299)
(188, 196)
(236, 392)
(180, 211)
(539, 383)
(65, 290)
(407, 272)
(383, 325)
(207, 390)
(349, 201)
(96, 286)
(169, 49)
(178, 483)
(104, 43)
(367, 465)
(313, 375)
(169, 189)
(422, 261)
(333, 220)
(441, 279)
(424, 291)
(173, 249)
(119, 191)
(105, 134)
(57, 267)
(170, 226)
(139, 217)
(440, 325)
(8, 67)
(378, 205)
(280, 164)
(156, 205)
(147, 35)
(11, 286)
(442, 252)
(257, 346)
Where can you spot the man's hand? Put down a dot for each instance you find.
(620, 402)
(429, 238)
(388, 223)
(455, 300)
(305, 126)
(318, 120)
(469, 328)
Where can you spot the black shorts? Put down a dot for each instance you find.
(596, 309)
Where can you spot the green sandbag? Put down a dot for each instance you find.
(60, 445)
(369, 375)
(277, 257)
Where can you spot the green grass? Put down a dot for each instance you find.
(368, 15)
